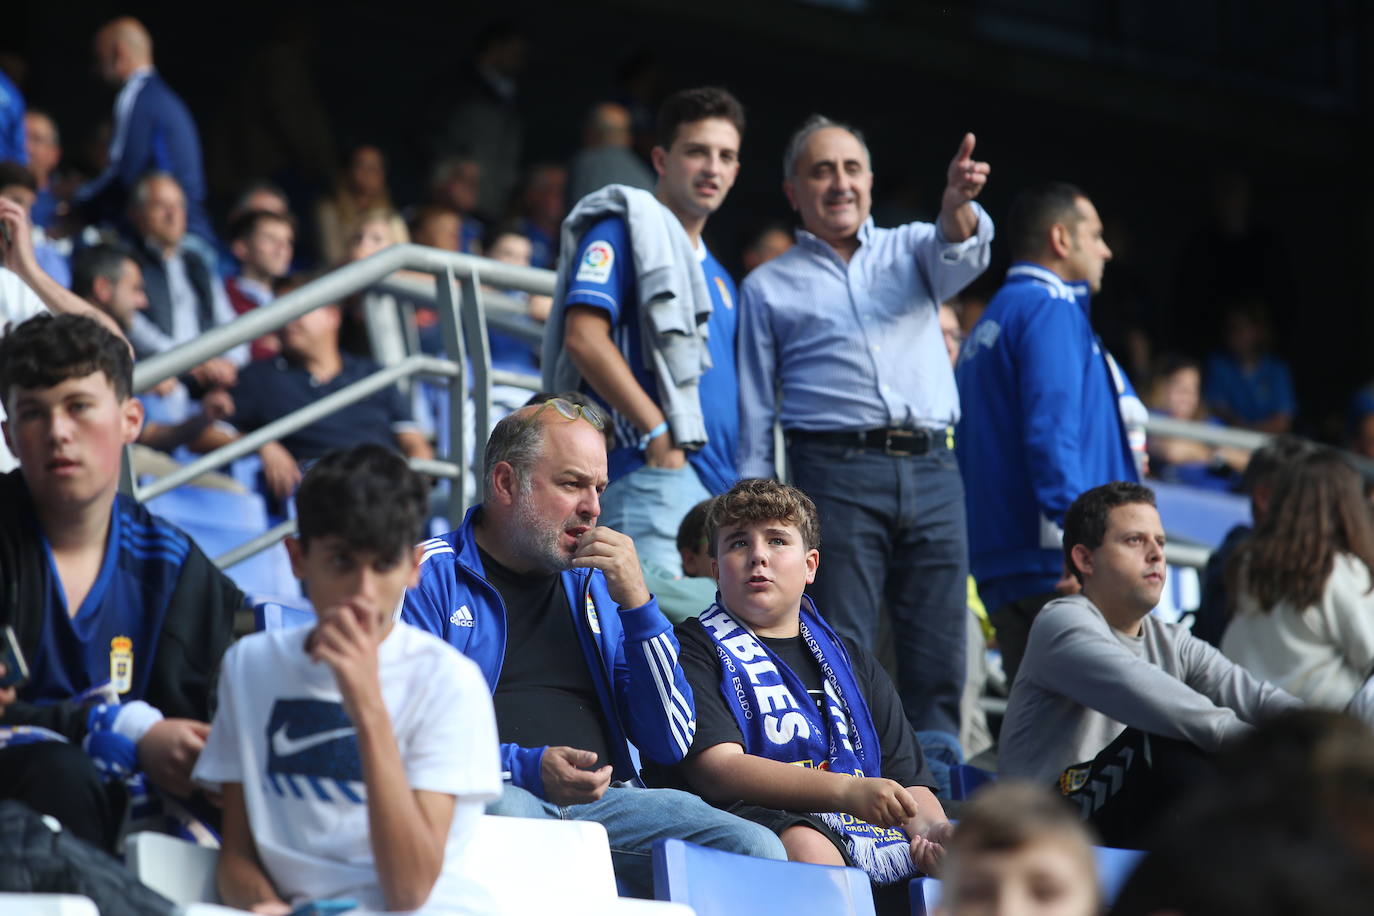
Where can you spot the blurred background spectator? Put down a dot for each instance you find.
(1176, 392)
(1301, 586)
(1246, 383)
(606, 156)
(360, 191)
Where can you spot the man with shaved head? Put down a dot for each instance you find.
(846, 325)
(606, 157)
(153, 131)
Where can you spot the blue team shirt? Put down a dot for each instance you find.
(604, 278)
(1254, 395)
(113, 635)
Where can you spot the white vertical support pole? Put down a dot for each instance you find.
(479, 353)
(451, 329)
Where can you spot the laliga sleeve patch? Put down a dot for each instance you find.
(596, 263)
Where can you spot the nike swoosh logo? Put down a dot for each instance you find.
(283, 745)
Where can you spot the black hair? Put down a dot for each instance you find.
(1035, 210)
(245, 224)
(15, 173)
(104, 260)
(47, 350)
(692, 105)
(1086, 521)
(367, 496)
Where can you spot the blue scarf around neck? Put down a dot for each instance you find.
(779, 720)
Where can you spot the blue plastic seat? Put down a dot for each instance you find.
(1114, 866)
(964, 780)
(925, 895)
(716, 883)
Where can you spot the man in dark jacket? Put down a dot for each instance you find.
(120, 617)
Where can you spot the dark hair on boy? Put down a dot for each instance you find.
(245, 224)
(1035, 210)
(47, 350)
(106, 260)
(368, 496)
(692, 105)
(764, 500)
(1086, 521)
(691, 534)
(12, 173)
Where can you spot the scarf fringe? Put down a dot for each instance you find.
(883, 860)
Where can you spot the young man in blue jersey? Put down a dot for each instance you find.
(582, 664)
(354, 754)
(121, 617)
(645, 317)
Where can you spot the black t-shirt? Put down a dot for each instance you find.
(902, 759)
(545, 695)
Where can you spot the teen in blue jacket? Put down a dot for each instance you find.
(1043, 402)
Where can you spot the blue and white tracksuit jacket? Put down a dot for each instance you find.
(631, 653)
(1043, 421)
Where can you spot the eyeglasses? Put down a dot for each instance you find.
(570, 411)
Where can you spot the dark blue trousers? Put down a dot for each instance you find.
(893, 532)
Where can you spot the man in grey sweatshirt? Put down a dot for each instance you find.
(1117, 707)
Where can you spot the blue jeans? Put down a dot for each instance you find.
(648, 505)
(893, 532)
(636, 818)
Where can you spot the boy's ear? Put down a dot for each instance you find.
(296, 553)
(813, 562)
(659, 157)
(131, 411)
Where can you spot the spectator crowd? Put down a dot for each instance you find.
(660, 614)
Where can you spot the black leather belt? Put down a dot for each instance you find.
(896, 441)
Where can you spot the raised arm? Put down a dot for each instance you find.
(964, 180)
(18, 255)
(407, 828)
(650, 687)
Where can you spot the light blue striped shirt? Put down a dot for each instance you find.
(851, 346)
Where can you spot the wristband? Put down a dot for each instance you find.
(652, 434)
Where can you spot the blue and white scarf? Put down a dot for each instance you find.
(779, 721)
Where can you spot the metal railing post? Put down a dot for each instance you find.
(479, 356)
(451, 328)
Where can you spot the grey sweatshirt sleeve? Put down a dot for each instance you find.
(1215, 676)
(1080, 657)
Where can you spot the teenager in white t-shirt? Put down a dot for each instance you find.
(354, 756)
